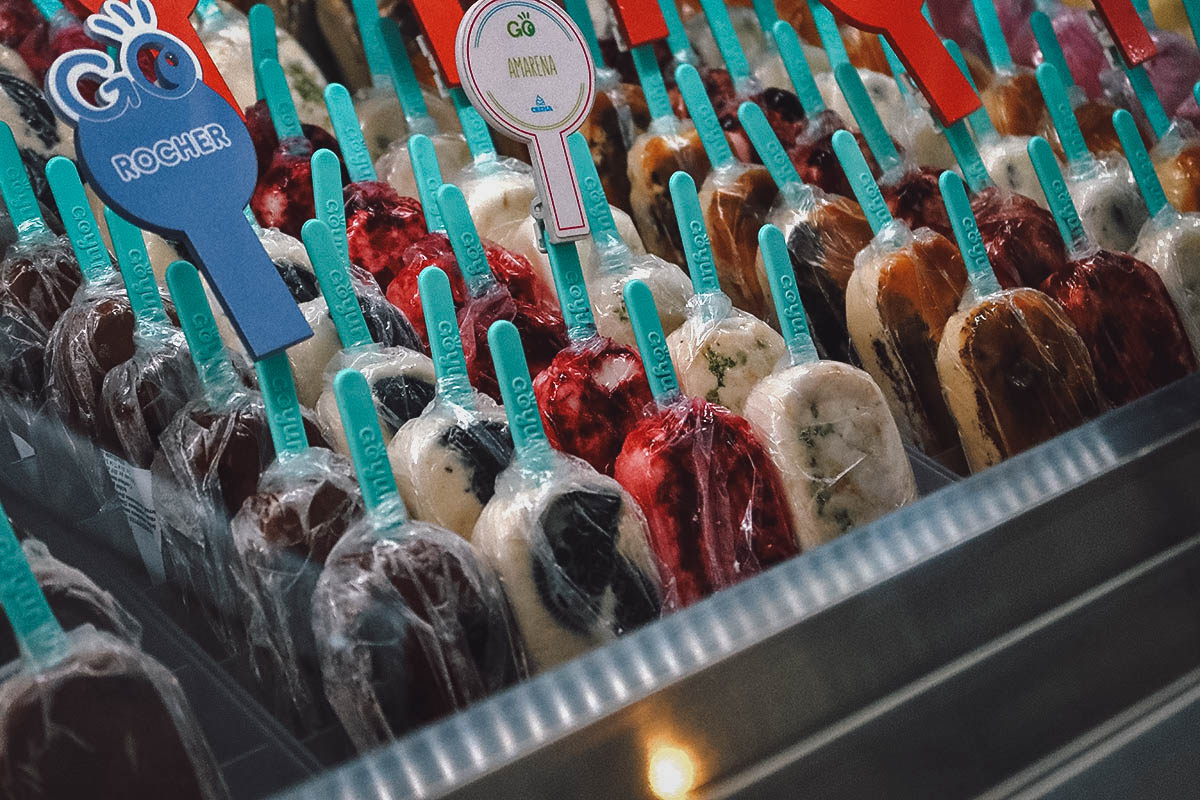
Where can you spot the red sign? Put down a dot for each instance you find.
(439, 19)
(641, 21)
(1128, 30)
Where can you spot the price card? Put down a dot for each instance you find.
(641, 21)
(527, 69)
(1128, 30)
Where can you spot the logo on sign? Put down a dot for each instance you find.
(540, 105)
(521, 26)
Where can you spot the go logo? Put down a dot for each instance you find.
(521, 26)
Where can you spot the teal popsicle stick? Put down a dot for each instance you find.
(1139, 161)
(792, 54)
(652, 343)
(279, 100)
(773, 156)
(475, 130)
(283, 409)
(208, 10)
(1063, 115)
(866, 191)
(981, 123)
(653, 86)
(696, 245)
(993, 35)
(831, 37)
(428, 177)
(366, 15)
(263, 44)
(895, 66)
(445, 339)
(78, 219)
(1052, 52)
(868, 119)
(727, 42)
(677, 39)
(327, 199)
(969, 160)
(349, 133)
(1147, 15)
(39, 635)
(520, 404)
(1144, 89)
(1196, 92)
(253, 220)
(571, 289)
(217, 376)
(1192, 9)
(368, 449)
(19, 198)
(464, 239)
(595, 202)
(140, 284)
(404, 80)
(966, 234)
(336, 284)
(578, 11)
(1059, 197)
(49, 9)
(767, 17)
(793, 322)
(703, 116)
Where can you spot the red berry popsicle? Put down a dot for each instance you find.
(710, 492)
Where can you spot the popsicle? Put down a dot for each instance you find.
(410, 623)
(1119, 305)
(919, 135)
(39, 134)
(92, 701)
(714, 501)
(904, 288)
(823, 233)
(826, 425)
(1012, 104)
(721, 351)
(58, 32)
(1103, 190)
(1014, 371)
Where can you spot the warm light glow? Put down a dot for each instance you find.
(672, 773)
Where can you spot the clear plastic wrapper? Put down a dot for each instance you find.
(838, 450)
(1015, 373)
(1015, 104)
(882, 90)
(912, 195)
(1022, 240)
(282, 536)
(283, 196)
(735, 200)
(106, 722)
(572, 548)
(1177, 163)
(721, 352)
(395, 167)
(380, 226)
(38, 133)
(410, 627)
(1007, 162)
(382, 120)
(619, 115)
(654, 158)
(1108, 201)
(1170, 245)
(606, 277)
(812, 154)
(266, 140)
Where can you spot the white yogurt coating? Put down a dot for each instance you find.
(721, 352)
(435, 480)
(1108, 202)
(395, 166)
(1170, 244)
(27, 137)
(669, 285)
(509, 535)
(831, 435)
(923, 141)
(12, 63)
(382, 119)
(1007, 161)
(881, 89)
(374, 363)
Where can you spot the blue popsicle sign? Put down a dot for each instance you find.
(173, 157)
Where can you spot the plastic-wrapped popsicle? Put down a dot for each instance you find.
(905, 286)
(92, 702)
(1013, 105)
(38, 133)
(713, 498)
(58, 32)
(1013, 369)
(826, 425)
(721, 351)
(1120, 306)
(823, 233)
(410, 623)
(1102, 190)
(735, 199)
(569, 543)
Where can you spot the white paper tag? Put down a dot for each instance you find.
(133, 487)
(526, 68)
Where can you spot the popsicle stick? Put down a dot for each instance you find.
(516, 389)
(795, 192)
(696, 246)
(1146, 13)
(366, 15)
(78, 219)
(208, 10)
(966, 233)
(404, 80)
(895, 66)
(981, 123)
(1139, 161)
(1063, 115)
(1052, 52)
(428, 177)
(653, 87)
(140, 284)
(263, 44)
(866, 191)
(578, 11)
(727, 42)
(217, 376)
(794, 61)
(336, 284)
(868, 119)
(1192, 9)
(279, 101)
(327, 199)
(464, 239)
(49, 9)
(368, 449)
(993, 35)
(652, 343)
(969, 160)
(445, 339)
(712, 135)
(19, 199)
(1144, 89)
(349, 134)
(475, 130)
(283, 409)
(767, 17)
(677, 39)
(831, 37)
(1196, 92)
(39, 635)
(571, 289)
(595, 202)
(793, 322)
(1059, 198)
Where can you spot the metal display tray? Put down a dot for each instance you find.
(977, 643)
